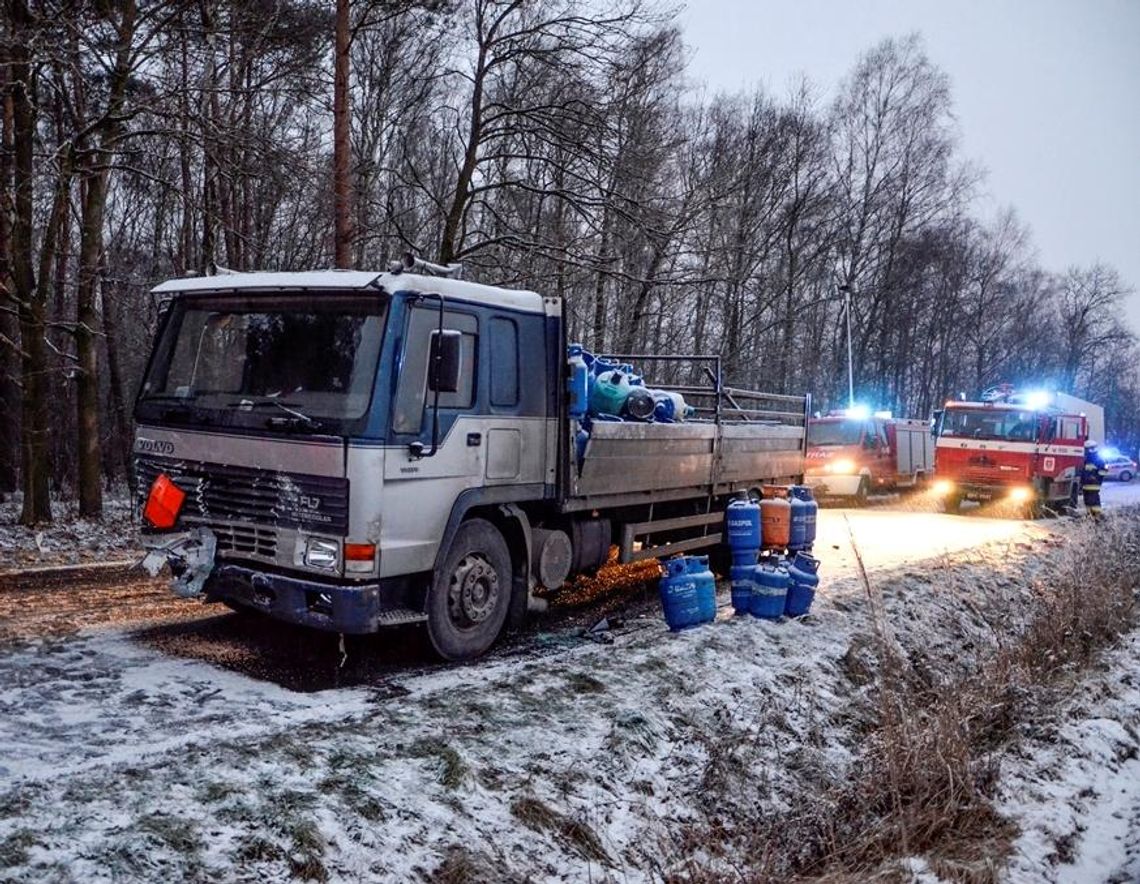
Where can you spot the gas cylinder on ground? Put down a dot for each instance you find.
(706, 586)
(609, 392)
(577, 381)
(680, 599)
(770, 591)
(743, 585)
(775, 517)
(804, 580)
(797, 524)
(742, 530)
(804, 494)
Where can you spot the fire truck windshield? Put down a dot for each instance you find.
(249, 361)
(834, 432)
(990, 423)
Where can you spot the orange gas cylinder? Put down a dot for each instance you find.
(775, 517)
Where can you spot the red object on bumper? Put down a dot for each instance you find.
(164, 502)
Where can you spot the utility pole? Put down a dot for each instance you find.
(342, 149)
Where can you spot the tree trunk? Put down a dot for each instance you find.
(90, 455)
(115, 379)
(342, 148)
(33, 363)
(9, 330)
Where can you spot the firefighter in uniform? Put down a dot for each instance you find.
(1092, 474)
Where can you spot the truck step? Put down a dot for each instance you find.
(400, 616)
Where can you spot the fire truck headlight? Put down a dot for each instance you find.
(1020, 494)
(324, 554)
(842, 467)
(943, 487)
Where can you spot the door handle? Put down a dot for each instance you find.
(474, 440)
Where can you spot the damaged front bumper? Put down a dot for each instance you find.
(355, 608)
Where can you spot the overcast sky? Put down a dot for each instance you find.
(1047, 95)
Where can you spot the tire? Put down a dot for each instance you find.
(860, 498)
(1125, 475)
(470, 594)
(951, 504)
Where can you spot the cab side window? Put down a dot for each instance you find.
(504, 362)
(412, 394)
(1068, 428)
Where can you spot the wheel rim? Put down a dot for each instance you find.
(473, 592)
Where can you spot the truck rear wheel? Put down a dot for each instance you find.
(471, 593)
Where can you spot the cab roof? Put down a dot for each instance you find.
(356, 280)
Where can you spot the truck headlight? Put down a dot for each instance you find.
(1020, 494)
(842, 467)
(323, 554)
(943, 487)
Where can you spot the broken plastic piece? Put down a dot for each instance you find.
(163, 503)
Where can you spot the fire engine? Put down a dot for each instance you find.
(855, 452)
(1025, 448)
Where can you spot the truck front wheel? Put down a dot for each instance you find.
(471, 593)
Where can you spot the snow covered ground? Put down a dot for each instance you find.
(558, 760)
(572, 761)
(1073, 783)
(69, 540)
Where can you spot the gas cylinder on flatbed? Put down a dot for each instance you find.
(577, 381)
(608, 392)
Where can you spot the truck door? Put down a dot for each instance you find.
(877, 452)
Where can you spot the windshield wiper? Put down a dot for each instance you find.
(296, 420)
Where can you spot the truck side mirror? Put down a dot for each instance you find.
(934, 422)
(444, 361)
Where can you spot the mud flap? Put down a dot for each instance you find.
(191, 559)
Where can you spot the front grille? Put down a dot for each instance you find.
(246, 540)
(217, 493)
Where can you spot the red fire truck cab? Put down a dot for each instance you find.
(1018, 448)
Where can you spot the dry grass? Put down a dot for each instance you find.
(575, 834)
(924, 784)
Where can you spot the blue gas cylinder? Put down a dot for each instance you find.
(804, 580)
(680, 599)
(742, 530)
(581, 439)
(664, 407)
(797, 526)
(770, 592)
(577, 381)
(804, 494)
(706, 586)
(743, 582)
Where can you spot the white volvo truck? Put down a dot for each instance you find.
(363, 449)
